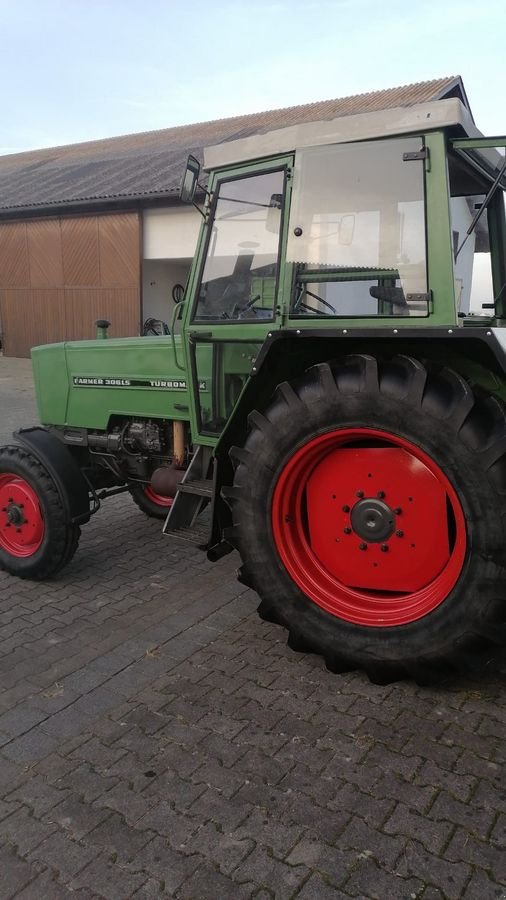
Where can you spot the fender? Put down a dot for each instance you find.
(66, 474)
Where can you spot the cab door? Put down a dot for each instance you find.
(235, 288)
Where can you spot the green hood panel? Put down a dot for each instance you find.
(83, 383)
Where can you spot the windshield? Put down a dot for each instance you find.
(241, 267)
(357, 230)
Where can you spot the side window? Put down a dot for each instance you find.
(472, 262)
(477, 255)
(241, 266)
(357, 230)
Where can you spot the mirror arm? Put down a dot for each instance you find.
(202, 212)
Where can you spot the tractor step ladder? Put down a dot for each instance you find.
(193, 494)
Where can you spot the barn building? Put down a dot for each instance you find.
(96, 230)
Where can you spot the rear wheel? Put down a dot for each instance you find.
(368, 510)
(152, 504)
(36, 540)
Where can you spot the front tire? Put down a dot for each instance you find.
(36, 539)
(154, 505)
(368, 511)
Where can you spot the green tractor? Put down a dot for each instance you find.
(328, 397)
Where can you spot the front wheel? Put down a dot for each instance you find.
(154, 505)
(368, 509)
(36, 540)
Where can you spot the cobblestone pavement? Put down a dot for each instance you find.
(158, 740)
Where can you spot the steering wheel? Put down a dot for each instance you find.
(237, 310)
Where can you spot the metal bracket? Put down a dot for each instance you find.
(419, 298)
(417, 154)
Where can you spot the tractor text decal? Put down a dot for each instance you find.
(160, 384)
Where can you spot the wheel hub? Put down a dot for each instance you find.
(21, 521)
(372, 520)
(15, 514)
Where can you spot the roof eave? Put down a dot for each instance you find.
(90, 205)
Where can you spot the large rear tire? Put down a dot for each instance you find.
(368, 509)
(36, 539)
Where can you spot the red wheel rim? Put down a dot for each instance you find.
(369, 527)
(21, 520)
(159, 499)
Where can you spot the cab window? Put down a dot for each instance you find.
(240, 274)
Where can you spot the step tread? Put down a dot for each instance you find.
(190, 535)
(200, 486)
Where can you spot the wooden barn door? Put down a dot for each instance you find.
(58, 275)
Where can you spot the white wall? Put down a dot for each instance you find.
(170, 232)
(169, 241)
(158, 278)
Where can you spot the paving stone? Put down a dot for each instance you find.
(46, 887)
(37, 794)
(464, 848)
(316, 888)
(76, 817)
(481, 887)
(405, 822)
(108, 880)
(450, 877)
(476, 821)
(20, 719)
(269, 832)
(207, 882)
(30, 747)
(368, 880)
(15, 873)
(24, 831)
(360, 837)
(62, 854)
(172, 868)
(113, 836)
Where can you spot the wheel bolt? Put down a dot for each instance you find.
(360, 493)
(362, 546)
(347, 530)
(399, 533)
(384, 548)
(346, 508)
(380, 495)
(397, 510)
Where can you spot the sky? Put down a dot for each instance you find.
(77, 70)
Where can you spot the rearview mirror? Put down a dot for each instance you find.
(190, 179)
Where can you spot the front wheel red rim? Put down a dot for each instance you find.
(159, 499)
(369, 527)
(22, 525)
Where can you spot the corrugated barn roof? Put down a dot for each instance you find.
(142, 166)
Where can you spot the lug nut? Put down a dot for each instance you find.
(360, 493)
(384, 548)
(347, 530)
(362, 546)
(346, 508)
(399, 533)
(380, 495)
(397, 510)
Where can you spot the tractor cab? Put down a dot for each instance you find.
(391, 221)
